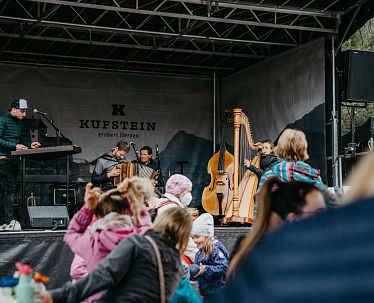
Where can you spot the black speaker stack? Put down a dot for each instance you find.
(358, 76)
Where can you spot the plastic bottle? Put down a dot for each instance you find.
(39, 288)
(25, 287)
(7, 285)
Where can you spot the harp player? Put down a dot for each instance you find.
(267, 159)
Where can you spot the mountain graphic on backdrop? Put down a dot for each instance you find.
(195, 152)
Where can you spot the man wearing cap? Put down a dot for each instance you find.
(13, 136)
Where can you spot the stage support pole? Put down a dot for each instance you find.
(334, 117)
(214, 111)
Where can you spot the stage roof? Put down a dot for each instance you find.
(179, 37)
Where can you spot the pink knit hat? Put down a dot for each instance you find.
(178, 184)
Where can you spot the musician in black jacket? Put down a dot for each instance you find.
(267, 159)
(13, 137)
(105, 168)
(146, 158)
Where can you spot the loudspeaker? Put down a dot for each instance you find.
(358, 76)
(48, 216)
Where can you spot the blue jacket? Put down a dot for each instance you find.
(326, 258)
(215, 269)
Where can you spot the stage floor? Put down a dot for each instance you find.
(47, 253)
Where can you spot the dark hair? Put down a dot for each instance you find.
(275, 197)
(268, 141)
(111, 201)
(123, 145)
(148, 149)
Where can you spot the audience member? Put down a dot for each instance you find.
(178, 194)
(212, 258)
(292, 150)
(130, 272)
(279, 203)
(120, 212)
(361, 180)
(327, 258)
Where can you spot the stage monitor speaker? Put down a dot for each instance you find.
(48, 216)
(358, 76)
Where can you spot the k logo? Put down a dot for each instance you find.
(118, 110)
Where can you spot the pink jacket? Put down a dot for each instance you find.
(94, 243)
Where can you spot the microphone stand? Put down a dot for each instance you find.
(57, 130)
(160, 178)
(136, 153)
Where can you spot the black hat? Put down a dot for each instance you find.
(19, 104)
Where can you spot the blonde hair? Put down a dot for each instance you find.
(129, 198)
(175, 224)
(138, 191)
(110, 201)
(361, 180)
(292, 145)
(208, 247)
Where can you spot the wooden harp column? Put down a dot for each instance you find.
(237, 112)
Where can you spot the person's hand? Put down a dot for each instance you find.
(123, 186)
(35, 145)
(21, 147)
(91, 196)
(201, 271)
(247, 163)
(46, 297)
(114, 172)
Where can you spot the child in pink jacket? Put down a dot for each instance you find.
(120, 212)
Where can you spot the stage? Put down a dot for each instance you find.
(48, 254)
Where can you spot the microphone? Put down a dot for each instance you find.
(136, 152)
(36, 111)
(156, 146)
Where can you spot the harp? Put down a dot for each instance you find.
(240, 209)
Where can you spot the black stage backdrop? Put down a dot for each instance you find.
(284, 91)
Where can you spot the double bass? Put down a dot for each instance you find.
(217, 195)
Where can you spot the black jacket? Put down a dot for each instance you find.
(12, 132)
(128, 274)
(266, 162)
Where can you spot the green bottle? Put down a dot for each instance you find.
(25, 287)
